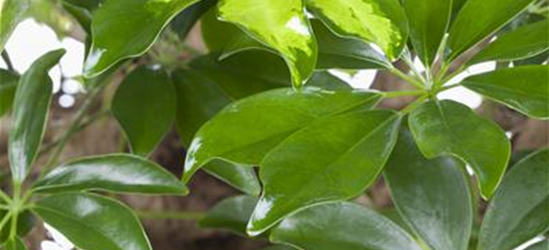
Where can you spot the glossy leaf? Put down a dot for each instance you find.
(230, 214)
(337, 226)
(93, 222)
(8, 85)
(518, 211)
(432, 195)
(542, 245)
(11, 13)
(144, 105)
(478, 19)
(280, 25)
(382, 22)
(125, 29)
(451, 128)
(186, 20)
(429, 20)
(344, 53)
(523, 88)
(335, 158)
(30, 110)
(15, 244)
(113, 173)
(524, 42)
(244, 131)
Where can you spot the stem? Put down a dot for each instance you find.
(165, 215)
(413, 105)
(407, 78)
(5, 220)
(447, 88)
(454, 74)
(402, 93)
(73, 128)
(5, 197)
(7, 60)
(408, 60)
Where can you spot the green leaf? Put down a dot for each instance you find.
(382, 22)
(8, 85)
(451, 128)
(338, 226)
(16, 244)
(518, 211)
(279, 247)
(86, 4)
(522, 43)
(478, 19)
(523, 88)
(230, 214)
(11, 13)
(542, 245)
(126, 29)
(25, 222)
(185, 21)
(93, 222)
(429, 20)
(344, 53)
(113, 173)
(144, 106)
(30, 110)
(248, 129)
(432, 195)
(280, 25)
(335, 158)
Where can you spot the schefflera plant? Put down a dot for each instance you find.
(68, 197)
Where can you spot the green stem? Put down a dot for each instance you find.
(407, 78)
(394, 94)
(454, 74)
(5, 220)
(5, 197)
(414, 105)
(408, 60)
(7, 60)
(165, 215)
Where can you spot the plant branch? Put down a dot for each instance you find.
(166, 215)
(7, 60)
(407, 78)
(413, 105)
(394, 94)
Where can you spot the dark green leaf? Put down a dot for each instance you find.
(8, 85)
(335, 158)
(478, 19)
(185, 21)
(30, 110)
(525, 88)
(246, 130)
(279, 247)
(11, 13)
(382, 22)
(144, 105)
(15, 244)
(344, 53)
(93, 222)
(280, 25)
(429, 20)
(114, 173)
(240, 177)
(338, 226)
(230, 214)
(451, 128)
(524, 42)
(542, 245)
(432, 195)
(25, 222)
(518, 211)
(125, 29)
(86, 4)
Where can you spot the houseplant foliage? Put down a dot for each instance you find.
(261, 99)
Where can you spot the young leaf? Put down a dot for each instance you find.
(521, 43)
(230, 214)
(344, 53)
(429, 20)
(144, 105)
(113, 173)
(478, 19)
(11, 13)
(15, 244)
(30, 110)
(335, 158)
(8, 85)
(127, 28)
(248, 129)
(451, 128)
(93, 222)
(280, 25)
(523, 88)
(382, 22)
(432, 195)
(337, 226)
(518, 211)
